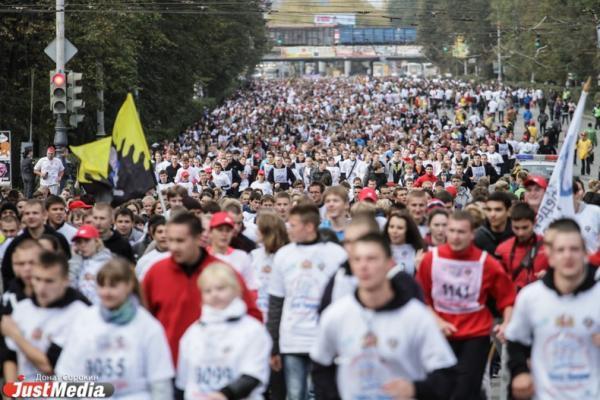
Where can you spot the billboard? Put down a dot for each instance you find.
(5, 163)
(335, 19)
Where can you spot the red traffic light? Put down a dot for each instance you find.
(58, 79)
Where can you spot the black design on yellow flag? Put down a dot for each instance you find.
(131, 165)
(121, 162)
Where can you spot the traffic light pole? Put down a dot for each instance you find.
(60, 129)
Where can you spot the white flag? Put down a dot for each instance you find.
(558, 199)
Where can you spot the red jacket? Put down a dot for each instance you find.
(424, 178)
(495, 283)
(174, 298)
(511, 260)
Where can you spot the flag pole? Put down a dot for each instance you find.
(558, 199)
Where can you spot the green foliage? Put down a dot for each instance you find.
(565, 31)
(159, 56)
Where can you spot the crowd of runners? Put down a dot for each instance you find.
(349, 238)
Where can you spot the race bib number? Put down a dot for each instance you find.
(456, 285)
(478, 172)
(105, 367)
(214, 377)
(280, 175)
(364, 377)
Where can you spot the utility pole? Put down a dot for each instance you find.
(100, 132)
(499, 54)
(60, 129)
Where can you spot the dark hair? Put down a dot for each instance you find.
(56, 246)
(444, 196)
(378, 239)
(521, 211)
(576, 181)
(52, 200)
(413, 235)
(565, 225)
(190, 220)
(255, 195)
(308, 213)
(208, 192)
(211, 207)
(436, 211)
(500, 197)
(327, 235)
(462, 215)
(155, 221)
(49, 259)
(319, 184)
(191, 203)
(27, 244)
(125, 212)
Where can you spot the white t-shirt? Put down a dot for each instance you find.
(588, 219)
(370, 348)
(262, 264)
(265, 186)
(147, 261)
(130, 356)
(565, 363)
(52, 167)
(404, 256)
(68, 231)
(300, 274)
(212, 354)
(41, 327)
(241, 261)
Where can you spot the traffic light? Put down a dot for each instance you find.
(74, 104)
(538, 41)
(58, 92)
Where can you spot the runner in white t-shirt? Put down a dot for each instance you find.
(554, 333)
(118, 341)
(226, 354)
(301, 270)
(361, 342)
(50, 170)
(221, 234)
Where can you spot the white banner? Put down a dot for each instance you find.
(558, 199)
(335, 19)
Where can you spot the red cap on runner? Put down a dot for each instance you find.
(78, 204)
(536, 180)
(367, 194)
(221, 218)
(87, 232)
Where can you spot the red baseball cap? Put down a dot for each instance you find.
(185, 174)
(367, 194)
(78, 204)
(86, 232)
(261, 172)
(208, 170)
(536, 180)
(452, 190)
(221, 218)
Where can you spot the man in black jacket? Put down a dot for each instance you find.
(34, 216)
(27, 174)
(496, 228)
(103, 217)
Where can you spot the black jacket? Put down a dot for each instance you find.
(120, 246)
(7, 270)
(487, 240)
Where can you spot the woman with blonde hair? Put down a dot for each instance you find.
(117, 341)
(272, 235)
(226, 355)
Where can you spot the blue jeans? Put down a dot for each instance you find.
(296, 369)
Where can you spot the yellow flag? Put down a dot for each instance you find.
(128, 133)
(94, 159)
